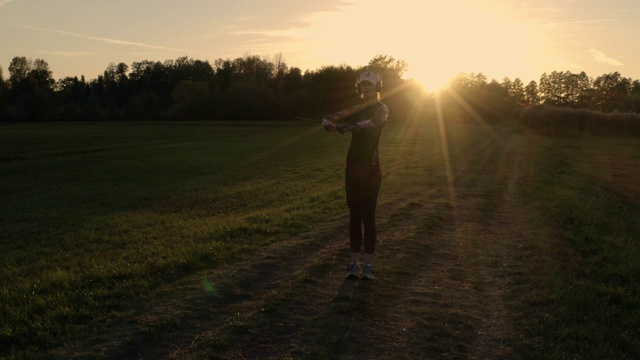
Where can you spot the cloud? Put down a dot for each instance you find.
(561, 63)
(602, 58)
(245, 18)
(70, 54)
(4, 2)
(584, 21)
(102, 39)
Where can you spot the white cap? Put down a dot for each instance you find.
(369, 76)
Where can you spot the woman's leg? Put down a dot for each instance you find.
(369, 189)
(354, 201)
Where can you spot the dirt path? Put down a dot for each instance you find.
(447, 259)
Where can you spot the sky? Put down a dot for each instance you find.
(436, 38)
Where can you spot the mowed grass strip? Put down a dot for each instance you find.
(97, 219)
(310, 314)
(584, 194)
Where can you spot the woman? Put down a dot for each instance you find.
(363, 174)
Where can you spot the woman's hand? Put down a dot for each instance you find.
(328, 125)
(341, 129)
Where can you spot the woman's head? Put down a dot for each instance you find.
(368, 85)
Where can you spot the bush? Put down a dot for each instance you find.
(557, 121)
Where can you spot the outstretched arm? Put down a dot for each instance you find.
(340, 116)
(378, 119)
(336, 121)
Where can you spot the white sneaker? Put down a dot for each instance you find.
(352, 271)
(367, 272)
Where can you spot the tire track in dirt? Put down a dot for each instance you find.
(173, 327)
(443, 290)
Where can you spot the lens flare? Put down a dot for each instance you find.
(210, 288)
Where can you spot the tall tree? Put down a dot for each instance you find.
(507, 84)
(71, 96)
(31, 88)
(225, 71)
(41, 75)
(633, 98)
(577, 87)
(279, 72)
(110, 74)
(293, 80)
(151, 76)
(279, 65)
(517, 92)
(610, 91)
(19, 69)
(531, 95)
(254, 69)
(110, 95)
(3, 97)
(184, 68)
(385, 63)
(121, 74)
(391, 71)
(564, 88)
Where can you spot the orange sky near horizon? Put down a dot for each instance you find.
(438, 39)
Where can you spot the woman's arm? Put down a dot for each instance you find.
(332, 122)
(341, 116)
(378, 119)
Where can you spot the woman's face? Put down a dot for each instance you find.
(368, 90)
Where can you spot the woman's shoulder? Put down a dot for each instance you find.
(380, 107)
(380, 104)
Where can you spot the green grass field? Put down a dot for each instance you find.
(219, 240)
(585, 192)
(98, 219)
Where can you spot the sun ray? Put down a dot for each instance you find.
(445, 155)
(289, 141)
(471, 111)
(408, 126)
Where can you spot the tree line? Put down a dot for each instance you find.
(606, 93)
(249, 87)
(261, 88)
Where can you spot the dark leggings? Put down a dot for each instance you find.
(362, 183)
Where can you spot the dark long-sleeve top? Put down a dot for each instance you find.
(365, 124)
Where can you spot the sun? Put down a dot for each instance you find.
(437, 39)
(462, 36)
(430, 82)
